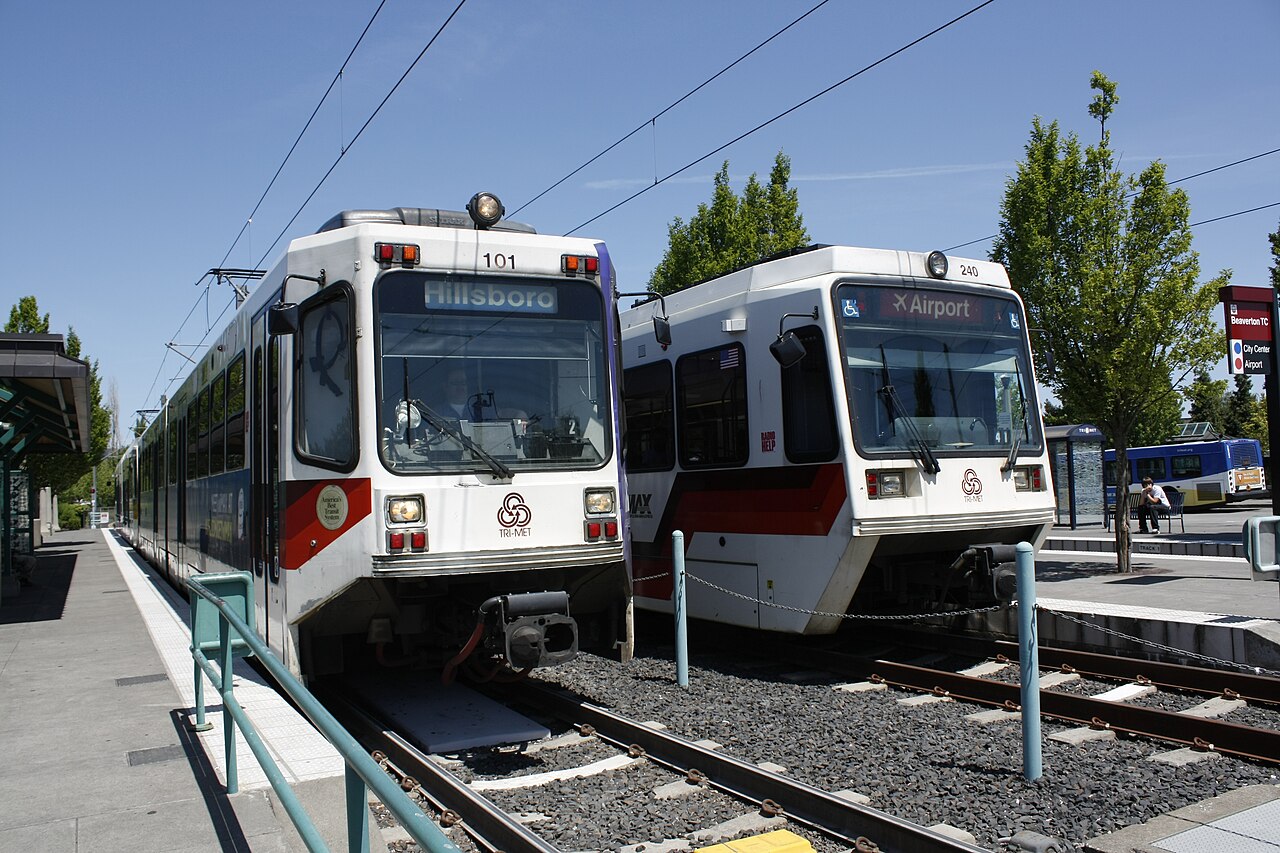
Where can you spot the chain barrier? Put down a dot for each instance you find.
(1183, 652)
(865, 616)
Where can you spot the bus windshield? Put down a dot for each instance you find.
(948, 369)
(501, 374)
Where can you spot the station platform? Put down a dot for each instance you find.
(96, 692)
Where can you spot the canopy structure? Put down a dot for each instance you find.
(44, 408)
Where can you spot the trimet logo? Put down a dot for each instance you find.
(971, 486)
(514, 517)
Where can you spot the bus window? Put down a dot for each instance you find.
(1187, 466)
(1153, 468)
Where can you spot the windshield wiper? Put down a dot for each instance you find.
(1013, 455)
(442, 425)
(919, 449)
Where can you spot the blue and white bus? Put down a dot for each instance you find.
(1207, 473)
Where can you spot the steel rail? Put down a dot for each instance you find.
(805, 803)
(1226, 683)
(1197, 732)
(495, 828)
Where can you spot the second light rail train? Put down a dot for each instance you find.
(838, 431)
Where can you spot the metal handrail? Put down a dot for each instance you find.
(361, 769)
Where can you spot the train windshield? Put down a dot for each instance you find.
(936, 372)
(490, 374)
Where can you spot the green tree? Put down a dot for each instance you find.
(732, 232)
(1208, 400)
(25, 319)
(1105, 266)
(1274, 237)
(1239, 408)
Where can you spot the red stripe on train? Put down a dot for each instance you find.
(343, 506)
(792, 501)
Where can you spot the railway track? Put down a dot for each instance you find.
(1181, 728)
(769, 795)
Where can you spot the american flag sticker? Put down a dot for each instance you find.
(728, 358)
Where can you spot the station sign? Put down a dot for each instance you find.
(1250, 325)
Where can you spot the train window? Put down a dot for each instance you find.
(193, 420)
(217, 428)
(474, 370)
(808, 409)
(711, 412)
(325, 426)
(651, 432)
(235, 414)
(171, 451)
(202, 448)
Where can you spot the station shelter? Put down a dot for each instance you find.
(1075, 462)
(44, 408)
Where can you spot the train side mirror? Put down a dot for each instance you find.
(283, 319)
(662, 330)
(787, 350)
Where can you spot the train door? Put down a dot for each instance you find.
(265, 493)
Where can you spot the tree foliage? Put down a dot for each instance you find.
(1239, 408)
(1105, 266)
(61, 471)
(1208, 399)
(732, 232)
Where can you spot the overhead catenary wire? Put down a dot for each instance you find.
(346, 150)
(783, 114)
(652, 120)
(301, 133)
(1169, 183)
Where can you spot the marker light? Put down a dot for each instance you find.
(395, 542)
(574, 264)
(937, 263)
(593, 530)
(404, 510)
(886, 484)
(405, 254)
(611, 529)
(485, 210)
(418, 540)
(1028, 478)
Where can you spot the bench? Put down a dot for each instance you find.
(1163, 515)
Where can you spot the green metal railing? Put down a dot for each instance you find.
(222, 626)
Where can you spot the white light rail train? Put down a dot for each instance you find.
(838, 431)
(409, 433)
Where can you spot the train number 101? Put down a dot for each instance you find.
(499, 262)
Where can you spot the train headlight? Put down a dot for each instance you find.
(886, 484)
(599, 502)
(1028, 478)
(407, 510)
(485, 210)
(937, 264)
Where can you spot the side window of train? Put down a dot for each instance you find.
(651, 428)
(217, 428)
(235, 414)
(808, 410)
(711, 407)
(202, 449)
(193, 431)
(171, 453)
(324, 430)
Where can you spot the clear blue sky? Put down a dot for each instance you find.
(138, 136)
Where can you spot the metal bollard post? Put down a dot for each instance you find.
(1029, 657)
(677, 594)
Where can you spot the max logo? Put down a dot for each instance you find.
(638, 506)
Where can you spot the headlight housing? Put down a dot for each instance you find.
(599, 501)
(405, 510)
